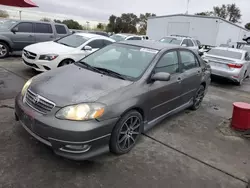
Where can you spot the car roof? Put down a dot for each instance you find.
(126, 34)
(150, 44)
(179, 37)
(92, 35)
(230, 49)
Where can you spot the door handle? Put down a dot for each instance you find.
(30, 35)
(50, 36)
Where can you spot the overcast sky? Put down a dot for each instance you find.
(102, 9)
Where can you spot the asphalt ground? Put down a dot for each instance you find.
(190, 149)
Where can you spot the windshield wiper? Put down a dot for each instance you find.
(86, 65)
(111, 73)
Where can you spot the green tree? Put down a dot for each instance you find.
(45, 20)
(72, 24)
(4, 14)
(207, 13)
(247, 26)
(57, 21)
(100, 26)
(143, 19)
(229, 12)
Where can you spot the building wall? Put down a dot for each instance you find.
(208, 31)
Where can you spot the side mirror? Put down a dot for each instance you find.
(184, 45)
(14, 30)
(161, 76)
(206, 61)
(201, 53)
(87, 48)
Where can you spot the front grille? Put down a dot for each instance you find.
(38, 103)
(29, 55)
(30, 64)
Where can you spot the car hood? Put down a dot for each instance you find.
(50, 47)
(72, 85)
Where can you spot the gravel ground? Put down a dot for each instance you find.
(189, 149)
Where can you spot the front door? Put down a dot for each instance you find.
(165, 95)
(24, 35)
(191, 75)
(95, 44)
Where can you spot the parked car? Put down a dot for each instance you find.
(125, 36)
(106, 100)
(230, 63)
(184, 41)
(48, 55)
(16, 34)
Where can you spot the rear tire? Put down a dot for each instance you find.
(4, 50)
(248, 40)
(126, 133)
(198, 98)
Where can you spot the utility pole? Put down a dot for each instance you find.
(20, 14)
(187, 6)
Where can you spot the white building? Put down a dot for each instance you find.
(209, 30)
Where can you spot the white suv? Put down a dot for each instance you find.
(181, 40)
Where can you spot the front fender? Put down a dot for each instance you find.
(7, 40)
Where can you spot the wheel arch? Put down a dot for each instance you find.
(68, 58)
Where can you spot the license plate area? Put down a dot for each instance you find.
(220, 65)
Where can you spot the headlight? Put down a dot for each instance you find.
(48, 57)
(81, 112)
(25, 87)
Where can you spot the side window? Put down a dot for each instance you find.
(185, 41)
(190, 43)
(96, 43)
(131, 38)
(188, 59)
(43, 28)
(60, 29)
(25, 27)
(247, 58)
(106, 42)
(137, 38)
(168, 63)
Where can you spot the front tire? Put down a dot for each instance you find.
(198, 98)
(248, 41)
(66, 62)
(4, 50)
(126, 132)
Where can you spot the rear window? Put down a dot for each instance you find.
(171, 40)
(60, 29)
(43, 28)
(225, 53)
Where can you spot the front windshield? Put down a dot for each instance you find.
(225, 53)
(118, 38)
(7, 23)
(74, 40)
(128, 61)
(171, 40)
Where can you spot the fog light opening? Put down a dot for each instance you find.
(76, 148)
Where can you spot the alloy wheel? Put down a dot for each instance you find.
(3, 50)
(199, 97)
(129, 132)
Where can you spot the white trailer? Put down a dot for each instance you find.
(207, 29)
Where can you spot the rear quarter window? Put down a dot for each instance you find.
(60, 29)
(43, 28)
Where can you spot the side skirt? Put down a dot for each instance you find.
(151, 124)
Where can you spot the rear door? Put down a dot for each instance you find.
(191, 74)
(24, 35)
(165, 95)
(43, 32)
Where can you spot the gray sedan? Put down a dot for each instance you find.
(230, 63)
(105, 101)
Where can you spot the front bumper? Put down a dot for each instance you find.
(70, 139)
(40, 65)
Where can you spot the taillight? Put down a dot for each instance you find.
(236, 66)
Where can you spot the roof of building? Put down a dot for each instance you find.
(149, 44)
(198, 16)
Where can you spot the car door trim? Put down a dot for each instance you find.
(159, 105)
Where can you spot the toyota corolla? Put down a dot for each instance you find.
(106, 100)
